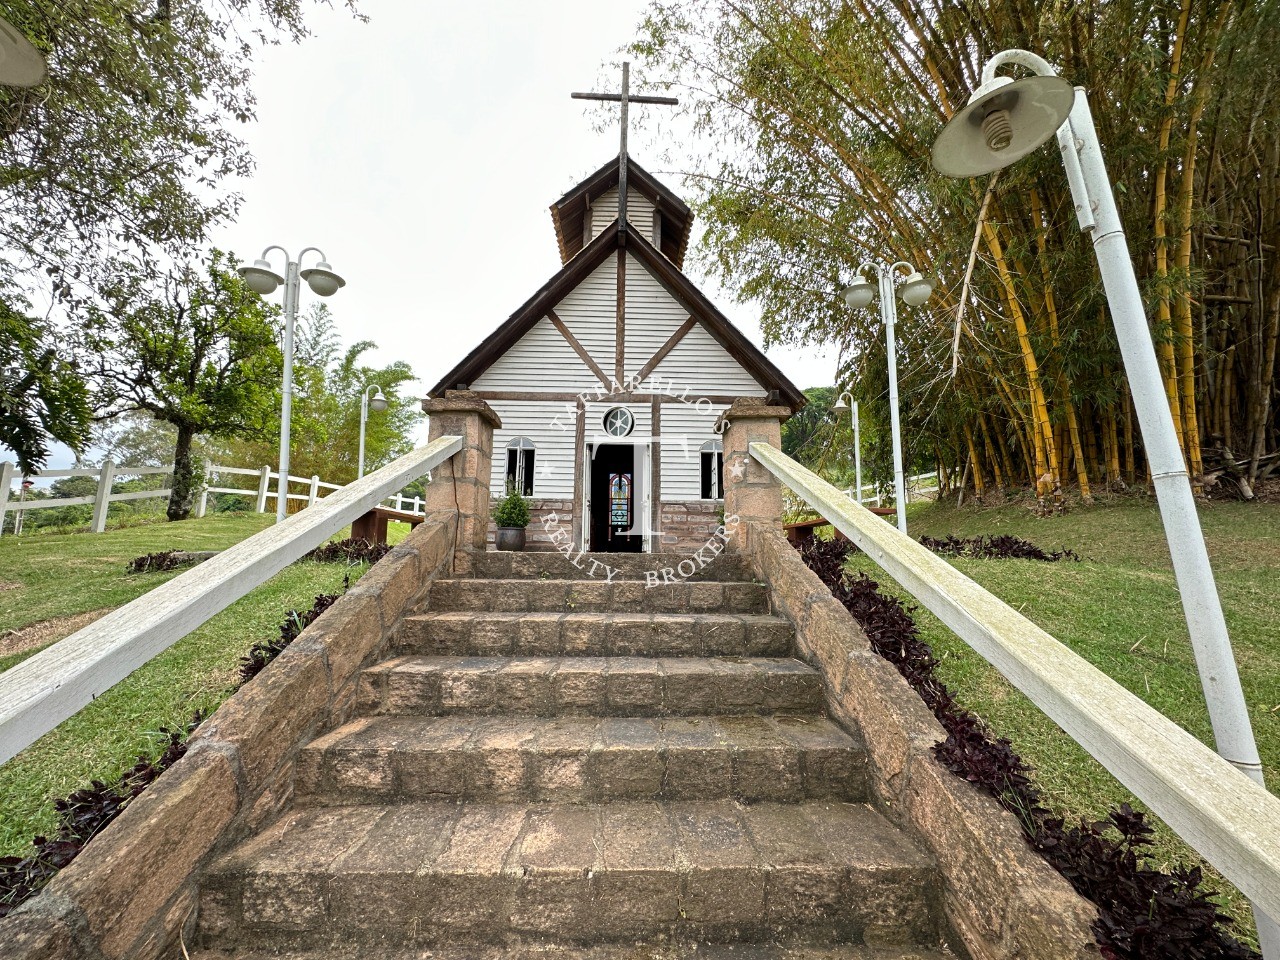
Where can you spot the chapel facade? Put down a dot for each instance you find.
(611, 378)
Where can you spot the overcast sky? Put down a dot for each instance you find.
(421, 151)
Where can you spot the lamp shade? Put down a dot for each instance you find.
(840, 405)
(20, 63)
(915, 290)
(322, 280)
(378, 403)
(1004, 121)
(261, 278)
(858, 294)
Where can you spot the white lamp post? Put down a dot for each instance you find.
(379, 403)
(843, 403)
(914, 291)
(262, 279)
(1004, 121)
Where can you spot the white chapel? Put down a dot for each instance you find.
(610, 379)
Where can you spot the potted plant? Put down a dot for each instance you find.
(512, 516)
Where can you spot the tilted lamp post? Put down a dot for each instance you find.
(379, 403)
(262, 279)
(843, 403)
(1004, 121)
(914, 290)
(21, 64)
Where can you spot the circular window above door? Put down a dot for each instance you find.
(619, 422)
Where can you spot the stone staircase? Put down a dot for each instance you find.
(552, 766)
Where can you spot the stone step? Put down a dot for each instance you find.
(595, 635)
(608, 951)
(590, 686)
(597, 596)
(456, 873)
(583, 759)
(646, 567)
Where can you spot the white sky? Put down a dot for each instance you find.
(421, 151)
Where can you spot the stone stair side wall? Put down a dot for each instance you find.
(132, 892)
(1000, 897)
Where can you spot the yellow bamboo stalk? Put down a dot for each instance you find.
(1186, 193)
(1164, 318)
(1046, 466)
(1064, 384)
(979, 489)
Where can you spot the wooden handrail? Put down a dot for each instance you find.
(1230, 820)
(42, 691)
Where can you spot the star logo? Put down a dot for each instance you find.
(545, 470)
(738, 469)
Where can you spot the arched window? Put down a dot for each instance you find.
(520, 466)
(713, 470)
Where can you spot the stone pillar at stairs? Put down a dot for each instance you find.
(461, 483)
(751, 493)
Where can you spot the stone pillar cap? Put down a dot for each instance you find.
(751, 408)
(461, 401)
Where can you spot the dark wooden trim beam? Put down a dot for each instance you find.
(666, 348)
(611, 397)
(620, 322)
(579, 457)
(578, 348)
(655, 455)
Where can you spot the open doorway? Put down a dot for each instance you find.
(615, 500)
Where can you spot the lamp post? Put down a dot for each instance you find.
(846, 402)
(21, 64)
(379, 403)
(264, 280)
(1004, 121)
(914, 291)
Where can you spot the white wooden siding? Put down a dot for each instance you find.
(653, 315)
(536, 419)
(604, 210)
(540, 360)
(595, 419)
(590, 311)
(701, 365)
(682, 464)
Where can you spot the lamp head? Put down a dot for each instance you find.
(1004, 121)
(915, 290)
(378, 403)
(322, 280)
(260, 277)
(20, 63)
(840, 405)
(859, 293)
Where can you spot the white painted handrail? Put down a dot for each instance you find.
(41, 692)
(1230, 820)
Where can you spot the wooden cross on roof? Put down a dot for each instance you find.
(625, 98)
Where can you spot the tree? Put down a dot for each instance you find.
(127, 147)
(41, 394)
(200, 353)
(325, 432)
(822, 115)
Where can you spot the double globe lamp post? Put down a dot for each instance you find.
(914, 290)
(1004, 121)
(262, 279)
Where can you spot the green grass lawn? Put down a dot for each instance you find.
(65, 574)
(1119, 609)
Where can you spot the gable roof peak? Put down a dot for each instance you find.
(571, 214)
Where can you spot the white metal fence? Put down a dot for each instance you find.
(42, 691)
(1229, 819)
(109, 473)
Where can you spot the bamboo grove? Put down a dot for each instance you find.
(817, 119)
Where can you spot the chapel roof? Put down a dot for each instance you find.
(569, 212)
(577, 269)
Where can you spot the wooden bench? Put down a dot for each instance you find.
(373, 525)
(802, 530)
